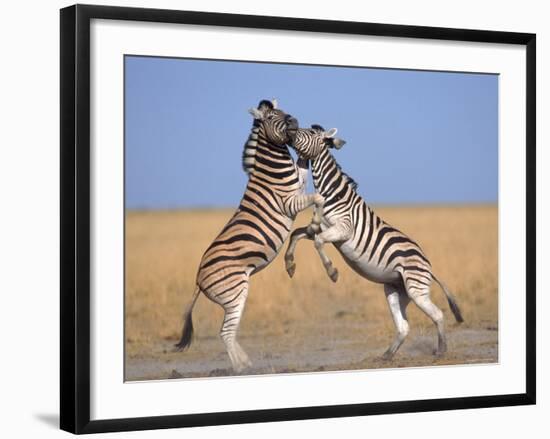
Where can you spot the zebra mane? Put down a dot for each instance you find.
(250, 147)
(349, 180)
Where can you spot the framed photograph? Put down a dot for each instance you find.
(276, 218)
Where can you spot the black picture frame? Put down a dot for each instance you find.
(75, 217)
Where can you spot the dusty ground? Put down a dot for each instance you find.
(310, 353)
(307, 323)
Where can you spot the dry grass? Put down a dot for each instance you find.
(163, 250)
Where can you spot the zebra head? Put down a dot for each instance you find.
(309, 143)
(279, 127)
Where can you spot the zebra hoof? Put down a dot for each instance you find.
(291, 268)
(387, 356)
(439, 353)
(441, 348)
(242, 368)
(333, 274)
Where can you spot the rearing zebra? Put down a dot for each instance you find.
(369, 245)
(254, 235)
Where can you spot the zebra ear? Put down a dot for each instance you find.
(338, 143)
(275, 103)
(331, 133)
(258, 114)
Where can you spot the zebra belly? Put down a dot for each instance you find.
(360, 265)
(260, 264)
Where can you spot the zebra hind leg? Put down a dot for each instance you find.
(397, 302)
(234, 306)
(420, 294)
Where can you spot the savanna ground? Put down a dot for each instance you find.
(306, 323)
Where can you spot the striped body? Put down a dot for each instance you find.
(255, 234)
(369, 245)
(373, 248)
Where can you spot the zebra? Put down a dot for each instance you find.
(274, 195)
(369, 245)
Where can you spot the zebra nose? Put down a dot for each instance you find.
(292, 122)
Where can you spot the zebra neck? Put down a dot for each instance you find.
(268, 161)
(258, 146)
(327, 174)
(324, 170)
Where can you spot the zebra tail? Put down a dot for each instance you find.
(452, 301)
(187, 331)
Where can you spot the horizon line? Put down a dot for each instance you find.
(405, 205)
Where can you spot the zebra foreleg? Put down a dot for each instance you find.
(299, 233)
(315, 225)
(397, 302)
(337, 233)
(297, 204)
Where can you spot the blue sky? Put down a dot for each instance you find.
(412, 136)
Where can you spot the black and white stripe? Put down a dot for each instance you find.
(372, 247)
(256, 232)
